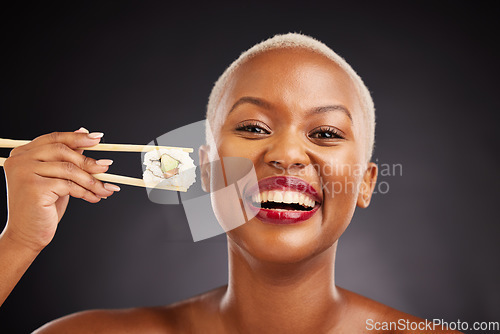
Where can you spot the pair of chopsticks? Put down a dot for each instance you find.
(11, 143)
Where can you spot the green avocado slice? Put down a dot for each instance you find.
(169, 166)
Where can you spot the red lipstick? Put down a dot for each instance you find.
(284, 183)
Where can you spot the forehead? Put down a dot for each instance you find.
(296, 76)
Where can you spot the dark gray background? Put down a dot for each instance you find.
(429, 247)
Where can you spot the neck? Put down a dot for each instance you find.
(280, 298)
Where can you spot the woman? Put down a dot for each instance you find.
(298, 112)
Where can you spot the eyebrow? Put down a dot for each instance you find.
(266, 105)
(334, 107)
(252, 100)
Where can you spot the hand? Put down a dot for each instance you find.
(41, 176)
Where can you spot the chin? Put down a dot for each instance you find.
(280, 244)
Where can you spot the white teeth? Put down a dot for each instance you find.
(295, 197)
(288, 197)
(302, 198)
(256, 198)
(270, 196)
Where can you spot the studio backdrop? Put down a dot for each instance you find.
(427, 244)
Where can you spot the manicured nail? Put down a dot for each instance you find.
(96, 135)
(82, 130)
(111, 187)
(104, 162)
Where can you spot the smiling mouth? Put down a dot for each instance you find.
(284, 207)
(283, 201)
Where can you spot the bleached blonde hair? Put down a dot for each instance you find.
(216, 117)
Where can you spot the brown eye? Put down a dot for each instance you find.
(253, 128)
(326, 132)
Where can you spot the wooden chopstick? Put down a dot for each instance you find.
(131, 181)
(11, 143)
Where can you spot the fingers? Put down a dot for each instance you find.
(58, 156)
(74, 176)
(60, 152)
(81, 130)
(62, 188)
(73, 140)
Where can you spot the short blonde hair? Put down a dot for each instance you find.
(215, 118)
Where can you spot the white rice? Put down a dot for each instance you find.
(153, 175)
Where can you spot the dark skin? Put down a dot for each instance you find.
(302, 117)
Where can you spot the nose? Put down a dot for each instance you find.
(287, 151)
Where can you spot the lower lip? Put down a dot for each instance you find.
(283, 217)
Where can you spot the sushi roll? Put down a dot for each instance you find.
(170, 166)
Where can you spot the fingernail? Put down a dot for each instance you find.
(111, 187)
(96, 135)
(104, 198)
(104, 162)
(82, 130)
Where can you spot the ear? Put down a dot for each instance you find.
(367, 185)
(205, 167)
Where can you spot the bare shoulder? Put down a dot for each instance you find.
(375, 317)
(199, 314)
(174, 318)
(147, 319)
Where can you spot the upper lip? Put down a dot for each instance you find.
(285, 183)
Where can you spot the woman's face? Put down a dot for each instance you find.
(296, 113)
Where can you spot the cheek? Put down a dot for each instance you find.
(341, 172)
(341, 178)
(231, 146)
(227, 181)
(225, 201)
